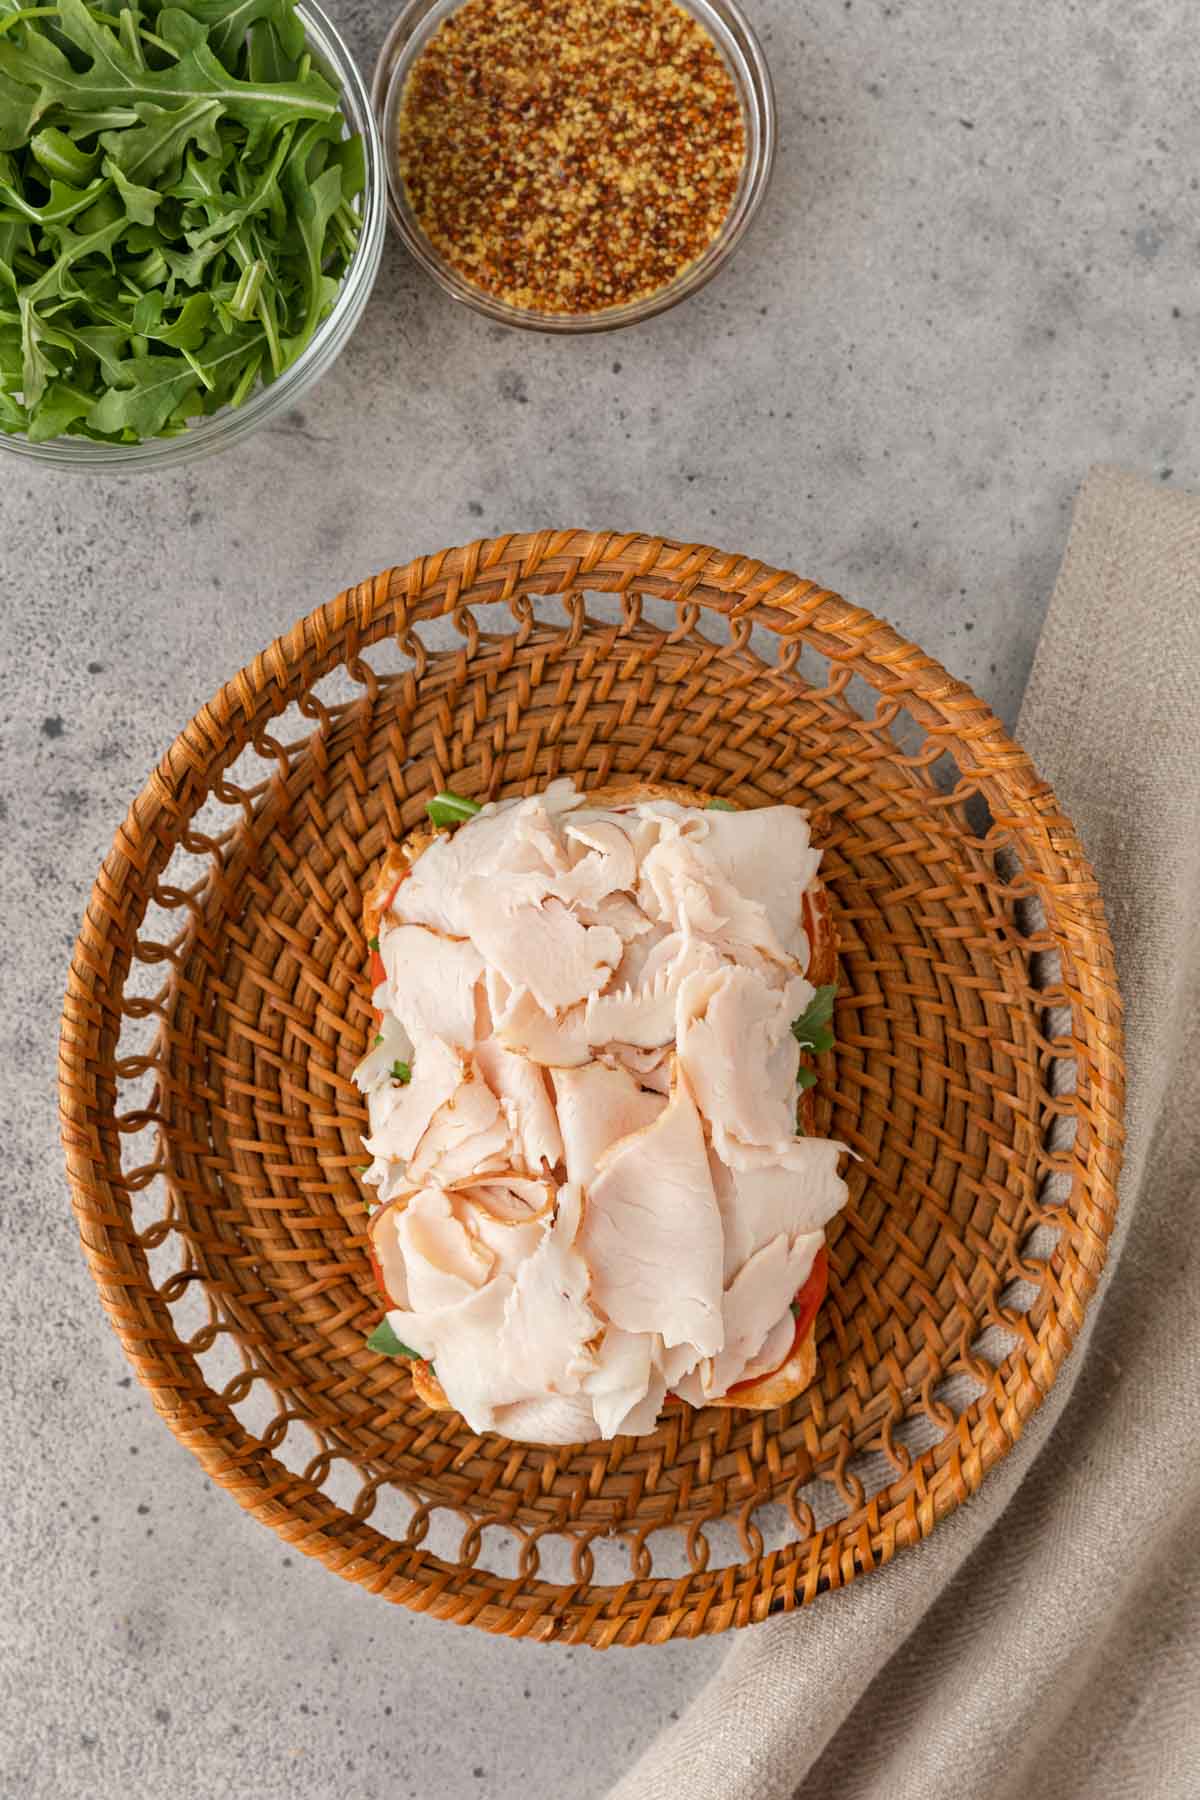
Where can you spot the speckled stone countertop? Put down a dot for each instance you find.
(975, 275)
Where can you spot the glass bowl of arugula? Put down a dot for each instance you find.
(192, 213)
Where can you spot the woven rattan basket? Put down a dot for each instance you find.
(217, 1004)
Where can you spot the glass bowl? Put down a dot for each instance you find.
(743, 55)
(332, 55)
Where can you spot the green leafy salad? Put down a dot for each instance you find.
(176, 210)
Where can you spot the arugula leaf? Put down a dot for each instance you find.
(230, 24)
(313, 205)
(106, 343)
(141, 203)
(14, 238)
(384, 1342)
(59, 407)
(189, 329)
(157, 385)
(10, 354)
(451, 809)
(37, 339)
(351, 156)
(19, 111)
(63, 160)
(113, 78)
(177, 210)
(228, 213)
(151, 150)
(811, 1030)
(65, 202)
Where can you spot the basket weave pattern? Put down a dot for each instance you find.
(217, 1004)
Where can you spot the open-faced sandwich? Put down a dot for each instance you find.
(598, 1192)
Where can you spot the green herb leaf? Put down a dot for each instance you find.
(811, 1029)
(721, 806)
(230, 22)
(63, 160)
(451, 809)
(58, 408)
(157, 386)
(267, 57)
(384, 1342)
(176, 210)
(806, 1078)
(65, 202)
(402, 1072)
(141, 203)
(162, 133)
(313, 206)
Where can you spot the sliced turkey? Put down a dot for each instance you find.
(536, 942)
(682, 886)
(460, 1341)
(767, 852)
(626, 1388)
(548, 1323)
(401, 1115)
(553, 1419)
(795, 1195)
(652, 1231)
(521, 1088)
(592, 1191)
(756, 1304)
(735, 1045)
(643, 1015)
(428, 893)
(394, 1046)
(444, 1261)
(465, 1138)
(554, 1042)
(431, 981)
(597, 1106)
(650, 1068)
(607, 865)
(508, 1216)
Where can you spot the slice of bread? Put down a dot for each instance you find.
(795, 1374)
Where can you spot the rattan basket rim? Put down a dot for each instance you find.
(510, 569)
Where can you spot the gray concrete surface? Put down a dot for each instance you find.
(976, 274)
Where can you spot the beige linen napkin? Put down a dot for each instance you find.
(1046, 1639)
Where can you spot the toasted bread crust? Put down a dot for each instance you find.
(794, 1375)
(429, 1388)
(782, 1384)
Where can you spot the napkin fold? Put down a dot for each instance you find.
(1046, 1638)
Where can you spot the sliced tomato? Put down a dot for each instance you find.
(807, 1303)
(805, 1307)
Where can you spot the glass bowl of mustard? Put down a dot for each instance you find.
(574, 165)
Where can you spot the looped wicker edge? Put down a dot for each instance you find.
(698, 580)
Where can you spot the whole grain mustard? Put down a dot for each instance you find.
(568, 156)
